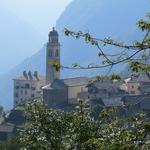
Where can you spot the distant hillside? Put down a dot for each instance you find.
(18, 40)
(102, 18)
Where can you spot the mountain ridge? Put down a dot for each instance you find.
(17, 37)
(113, 19)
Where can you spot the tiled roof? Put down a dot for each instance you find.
(67, 82)
(132, 100)
(75, 81)
(113, 102)
(106, 83)
(140, 78)
(35, 79)
(6, 128)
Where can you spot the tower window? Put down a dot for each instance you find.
(16, 95)
(57, 53)
(50, 54)
(54, 40)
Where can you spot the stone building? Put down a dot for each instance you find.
(28, 86)
(138, 85)
(136, 104)
(59, 92)
(109, 91)
(6, 131)
(64, 91)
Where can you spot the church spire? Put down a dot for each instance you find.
(53, 36)
(52, 55)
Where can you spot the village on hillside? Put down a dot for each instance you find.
(129, 95)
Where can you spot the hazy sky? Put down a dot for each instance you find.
(41, 14)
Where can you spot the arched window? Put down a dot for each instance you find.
(57, 53)
(50, 54)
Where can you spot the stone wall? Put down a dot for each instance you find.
(55, 97)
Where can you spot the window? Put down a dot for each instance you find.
(32, 95)
(81, 89)
(26, 92)
(16, 95)
(17, 87)
(57, 53)
(33, 88)
(54, 40)
(21, 92)
(16, 102)
(27, 86)
(132, 92)
(132, 87)
(50, 54)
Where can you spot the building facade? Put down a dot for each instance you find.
(64, 91)
(59, 92)
(6, 131)
(138, 85)
(27, 87)
(136, 104)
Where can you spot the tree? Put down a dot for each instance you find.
(81, 128)
(44, 128)
(53, 130)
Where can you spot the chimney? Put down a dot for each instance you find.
(30, 75)
(25, 75)
(36, 75)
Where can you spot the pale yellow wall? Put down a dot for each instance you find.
(133, 88)
(74, 90)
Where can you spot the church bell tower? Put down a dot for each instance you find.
(52, 55)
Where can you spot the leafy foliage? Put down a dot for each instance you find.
(54, 129)
(44, 128)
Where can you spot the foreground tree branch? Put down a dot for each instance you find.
(136, 53)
